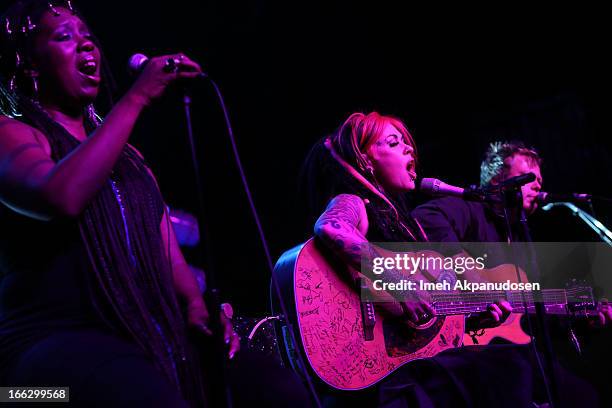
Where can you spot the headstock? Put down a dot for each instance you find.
(580, 300)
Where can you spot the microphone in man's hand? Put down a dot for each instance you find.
(137, 62)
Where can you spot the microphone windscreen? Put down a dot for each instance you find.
(429, 185)
(542, 197)
(137, 62)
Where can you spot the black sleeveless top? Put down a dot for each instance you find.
(44, 287)
(383, 225)
(109, 270)
(43, 267)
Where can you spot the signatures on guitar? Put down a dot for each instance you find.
(361, 366)
(334, 328)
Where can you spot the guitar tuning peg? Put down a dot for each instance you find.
(30, 26)
(53, 9)
(7, 26)
(572, 283)
(13, 84)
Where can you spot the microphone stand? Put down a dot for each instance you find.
(219, 382)
(512, 199)
(600, 229)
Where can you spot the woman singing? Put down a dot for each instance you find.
(363, 172)
(92, 282)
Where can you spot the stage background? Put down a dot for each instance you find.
(291, 72)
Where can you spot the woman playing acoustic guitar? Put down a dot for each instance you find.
(363, 172)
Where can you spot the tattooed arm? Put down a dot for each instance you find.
(343, 228)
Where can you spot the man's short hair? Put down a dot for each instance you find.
(495, 163)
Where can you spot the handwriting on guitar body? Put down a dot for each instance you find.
(332, 332)
(350, 344)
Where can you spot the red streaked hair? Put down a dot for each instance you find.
(360, 131)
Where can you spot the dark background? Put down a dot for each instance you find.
(291, 72)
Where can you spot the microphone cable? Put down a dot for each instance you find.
(262, 236)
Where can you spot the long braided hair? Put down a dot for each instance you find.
(131, 276)
(336, 165)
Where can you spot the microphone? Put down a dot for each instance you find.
(137, 62)
(437, 187)
(514, 182)
(545, 198)
(490, 193)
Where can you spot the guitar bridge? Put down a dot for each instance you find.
(368, 316)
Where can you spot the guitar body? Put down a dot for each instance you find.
(349, 346)
(511, 329)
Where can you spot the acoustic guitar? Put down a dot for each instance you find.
(349, 344)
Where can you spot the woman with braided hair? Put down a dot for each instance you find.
(92, 282)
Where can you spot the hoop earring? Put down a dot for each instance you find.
(34, 79)
(13, 84)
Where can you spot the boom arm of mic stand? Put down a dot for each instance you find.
(483, 195)
(495, 193)
(604, 233)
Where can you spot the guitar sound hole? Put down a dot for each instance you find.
(424, 323)
(401, 339)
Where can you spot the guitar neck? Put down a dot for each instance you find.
(556, 301)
